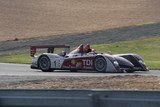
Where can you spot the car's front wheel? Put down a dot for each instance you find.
(44, 63)
(100, 64)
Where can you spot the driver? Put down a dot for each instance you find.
(63, 53)
(87, 49)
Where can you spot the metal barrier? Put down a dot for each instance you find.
(78, 98)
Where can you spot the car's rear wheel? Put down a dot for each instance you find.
(100, 64)
(44, 63)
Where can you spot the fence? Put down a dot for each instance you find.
(78, 98)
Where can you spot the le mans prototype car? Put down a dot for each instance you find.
(84, 58)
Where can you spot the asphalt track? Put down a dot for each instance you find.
(7, 69)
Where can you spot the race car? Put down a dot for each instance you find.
(84, 58)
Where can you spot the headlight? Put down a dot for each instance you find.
(140, 61)
(115, 63)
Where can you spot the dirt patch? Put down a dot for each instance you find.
(38, 18)
(135, 82)
(98, 37)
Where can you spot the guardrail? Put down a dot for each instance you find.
(78, 98)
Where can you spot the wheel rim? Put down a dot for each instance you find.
(100, 64)
(44, 63)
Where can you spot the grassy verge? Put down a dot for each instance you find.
(149, 49)
(18, 58)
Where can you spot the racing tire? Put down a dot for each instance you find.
(100, 64)
(44, 63)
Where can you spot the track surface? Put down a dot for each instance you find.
(24, 70)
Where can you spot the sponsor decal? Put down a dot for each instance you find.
(66, 66)
(79, 65)
(87, 62)
(87, 67)
(73, 62)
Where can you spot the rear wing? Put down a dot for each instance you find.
(50, 48)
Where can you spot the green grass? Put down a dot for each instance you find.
(17, 58)
(149, 49)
